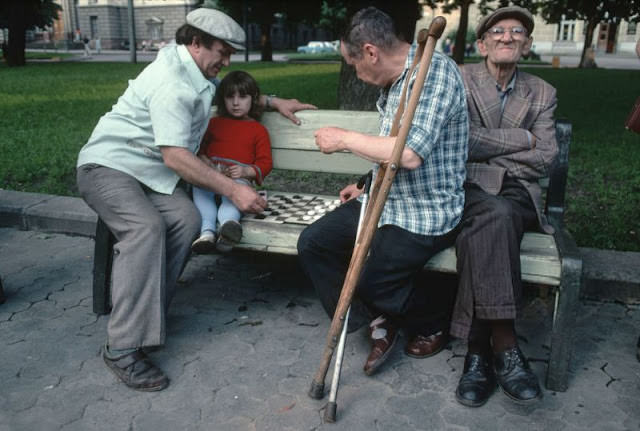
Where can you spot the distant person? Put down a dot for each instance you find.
(98, 43)
(446, 46)
(129, 173)
(469, 50)
(238, 145)
(87, 48)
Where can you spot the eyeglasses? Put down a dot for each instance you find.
(517, 32)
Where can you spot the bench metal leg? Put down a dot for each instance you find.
(102, 261)
(2, 297)
(567, 300)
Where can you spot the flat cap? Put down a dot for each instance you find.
(218, 25)
(516, 12)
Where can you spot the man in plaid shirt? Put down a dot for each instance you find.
(425, 202)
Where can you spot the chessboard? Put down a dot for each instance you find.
(294, 208)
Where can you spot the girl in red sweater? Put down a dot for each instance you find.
(239, 146)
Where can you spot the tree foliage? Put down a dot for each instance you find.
(593, 12)
(265, 13)
(19, 16)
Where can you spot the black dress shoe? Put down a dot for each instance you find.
(477, 382)
(515, 377)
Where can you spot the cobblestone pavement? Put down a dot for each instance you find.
(245, 335)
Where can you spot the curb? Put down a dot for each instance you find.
(607, 275)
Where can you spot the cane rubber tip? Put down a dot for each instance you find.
(317, 390)
(330, 412)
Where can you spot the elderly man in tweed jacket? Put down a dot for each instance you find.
(511, 145)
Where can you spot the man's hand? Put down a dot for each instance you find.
(350, 192)
(287, 107)
(330, 139)
(246, 199)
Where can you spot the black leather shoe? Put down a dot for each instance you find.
(477, 382)
(515, 377)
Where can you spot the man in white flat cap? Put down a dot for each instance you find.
(129, 173)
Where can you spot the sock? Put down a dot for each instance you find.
(116, 353)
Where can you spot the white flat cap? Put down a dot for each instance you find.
(218, 25)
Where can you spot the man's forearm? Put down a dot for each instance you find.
(195, 171)
(378, 149)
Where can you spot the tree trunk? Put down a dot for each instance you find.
(17, 30)
(461, 34)
(585, 60)
(354, 94)
(266, 49)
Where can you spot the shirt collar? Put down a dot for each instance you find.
(510, 86)
(193, 71)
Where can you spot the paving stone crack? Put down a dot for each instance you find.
(612, 379)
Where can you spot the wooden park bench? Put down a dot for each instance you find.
(549, 260)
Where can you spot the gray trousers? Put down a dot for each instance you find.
(153, 234)
(488, 252)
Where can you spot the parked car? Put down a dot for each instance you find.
(317, 47)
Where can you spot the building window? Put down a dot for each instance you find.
(566, 30)
(631, 28)
(93, 26)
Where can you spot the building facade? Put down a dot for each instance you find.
(566, 37)
(156, 22)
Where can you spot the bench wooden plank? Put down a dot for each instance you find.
(293, 147)
(314, 161)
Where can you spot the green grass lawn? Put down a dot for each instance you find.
(47, 112)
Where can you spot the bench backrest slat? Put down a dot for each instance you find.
(293, 147)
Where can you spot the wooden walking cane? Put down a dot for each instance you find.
(384, 178)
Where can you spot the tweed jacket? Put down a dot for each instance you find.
(499, 144)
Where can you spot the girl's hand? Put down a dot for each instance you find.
(238, 171)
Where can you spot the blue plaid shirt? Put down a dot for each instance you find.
(429, 200)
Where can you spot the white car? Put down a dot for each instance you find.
(317, 47)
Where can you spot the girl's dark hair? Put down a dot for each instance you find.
(244, 84)
(187, 34)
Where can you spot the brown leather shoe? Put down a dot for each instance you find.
(422, 347)
(383, 337)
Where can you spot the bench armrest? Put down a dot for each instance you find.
(558, 177)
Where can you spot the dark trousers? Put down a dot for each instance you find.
(488, 252)
(388, 280)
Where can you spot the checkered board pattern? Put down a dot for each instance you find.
(294, 208)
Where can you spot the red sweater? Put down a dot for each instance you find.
(238, 142)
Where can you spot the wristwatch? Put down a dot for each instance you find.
(268, 100)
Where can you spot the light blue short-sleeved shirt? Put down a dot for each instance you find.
(168, 104)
